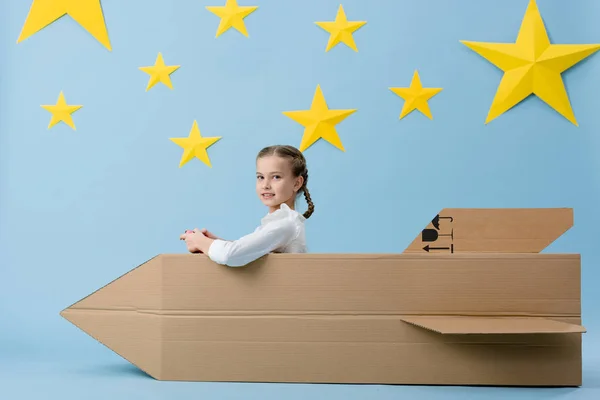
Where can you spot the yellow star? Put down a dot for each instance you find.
(319, 122)
(159, 72)
(61, 111)
(532, 65)
(416, 96)
(87, 13)
(341, 30)
(231, 15)
(195, 146)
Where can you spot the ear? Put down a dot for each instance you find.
(298, 184)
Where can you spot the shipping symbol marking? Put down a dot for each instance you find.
(431, 235)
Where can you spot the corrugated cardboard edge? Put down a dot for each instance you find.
(468, 325)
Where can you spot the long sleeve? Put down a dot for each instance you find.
(248, 248)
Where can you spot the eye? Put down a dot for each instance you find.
(276, 176)
(259, 177)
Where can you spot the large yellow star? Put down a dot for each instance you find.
(341, 30)
(87, 13)
(61, 111)
(532, 65)
(231, 15)
(319, 122)
(159, 72)
(195, 146)
(415, 97)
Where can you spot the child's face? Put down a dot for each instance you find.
(275, 183)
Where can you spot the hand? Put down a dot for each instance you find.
(197, 241)
(204, 231)
(191, 248)
(208, 234)
(184, 234)
(191, 239)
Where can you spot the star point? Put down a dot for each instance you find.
(232, 16)
(61, 111)
(195, 146)
(415, 96)
(532, 66)
(319, 122)
(159, 72)
(341, 30)
(87, 13)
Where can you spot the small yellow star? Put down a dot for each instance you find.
(87, 13)
(61, 111)
(160, 72)
(341, 30)
(416, 96)
(195, 146)
(532, 65)
(231, 15)
(319, 122)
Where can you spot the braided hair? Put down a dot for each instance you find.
(298, 169)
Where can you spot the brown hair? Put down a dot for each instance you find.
(298, 168)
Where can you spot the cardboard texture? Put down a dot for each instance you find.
(461, 318)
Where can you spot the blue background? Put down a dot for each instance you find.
(79, 208)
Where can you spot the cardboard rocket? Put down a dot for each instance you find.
(470, 302)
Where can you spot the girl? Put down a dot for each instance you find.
(281, 175)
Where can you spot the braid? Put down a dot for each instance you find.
(311, 206)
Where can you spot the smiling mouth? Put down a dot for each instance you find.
(268, 195)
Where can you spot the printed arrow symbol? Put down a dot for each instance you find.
(428, 248)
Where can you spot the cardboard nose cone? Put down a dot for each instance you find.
(114, 316)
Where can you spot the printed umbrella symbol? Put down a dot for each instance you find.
(436, 221)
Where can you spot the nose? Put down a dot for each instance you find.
(266, 184)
